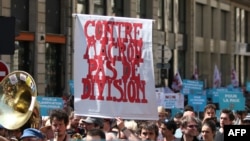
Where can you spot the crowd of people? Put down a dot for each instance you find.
(183, 126)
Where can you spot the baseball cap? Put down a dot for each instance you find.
(94, 120)
(32, 132)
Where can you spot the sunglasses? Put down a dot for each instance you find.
(192, 126)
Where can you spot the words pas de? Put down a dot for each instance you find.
(113, 67)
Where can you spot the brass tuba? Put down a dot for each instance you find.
(18, 94)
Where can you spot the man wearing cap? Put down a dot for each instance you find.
(92, 123)
(32, 134)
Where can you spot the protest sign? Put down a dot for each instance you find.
(113, 67)
(48, 103)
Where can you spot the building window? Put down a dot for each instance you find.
(54, 78)
(25, 56)
(199, 19)
(224, 67)
(24, 53)
(141, 8)
(160, 14)
(247, 27)
(53, 15)
(214, 15)
(181, 63)
(117, 7)
(20, 10)
(171, 16)
(223, 25)
(100, 7)
(82, 6)
(182, 20)
(237, 23)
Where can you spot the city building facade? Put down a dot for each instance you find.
(186, 33)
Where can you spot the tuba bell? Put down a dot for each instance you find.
(18, 94)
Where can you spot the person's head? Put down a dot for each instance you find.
(189, 113)
(32, 134)
(209, 111)
(92, 122)
(162, 113)
(74, 120)
(189, 126)
(208, 130)
(107, 124)
(95, 135)
(59, 120)
(246, 120)
(213, 119)
(177, 118)
(188, 108)
(47, 129)
(168, 128)
(148, 131)
(226, 117)
(241, 115)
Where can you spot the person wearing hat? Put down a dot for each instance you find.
(162, 114)
(32, 134)
(47, 130)
(92, 123)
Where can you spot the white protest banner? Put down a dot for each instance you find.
(173, 100)
(113, 67)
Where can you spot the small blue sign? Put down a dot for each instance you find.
(192, 87)
(232, 88)
(48, 103)
(231, 100)
(198, 102)
(216, 92)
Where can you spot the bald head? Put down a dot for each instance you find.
(189, 113)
